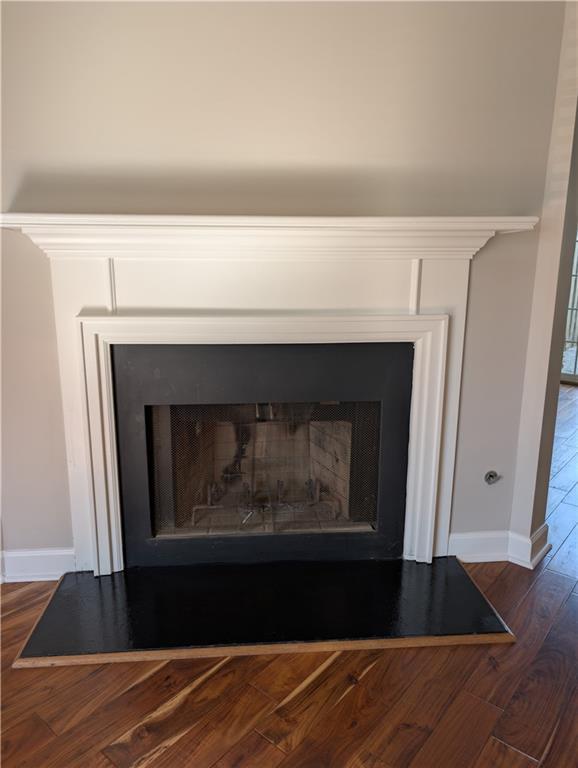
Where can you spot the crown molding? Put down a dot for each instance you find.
(260, 238)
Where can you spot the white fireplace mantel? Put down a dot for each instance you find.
(168, 278)
(238, 238)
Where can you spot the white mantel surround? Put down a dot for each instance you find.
(180, 279)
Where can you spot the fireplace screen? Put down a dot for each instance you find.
(259, 468)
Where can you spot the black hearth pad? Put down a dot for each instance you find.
(192, 611)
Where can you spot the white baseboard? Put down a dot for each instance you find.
(480, 546)
(490, 546)
(36, 564)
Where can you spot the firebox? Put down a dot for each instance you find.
(262, 452)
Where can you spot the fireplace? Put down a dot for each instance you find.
(210, 280)
(262, 452)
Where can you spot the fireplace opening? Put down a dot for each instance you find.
(233, 453)
(263, 468)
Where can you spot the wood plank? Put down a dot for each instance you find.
(399, 737)
(566, 418)
(79, 700)
(295, 716)
(252, 751)
(560, 524)
(175, 716)
(572, 496)
(288, 672)
(537, 703)
(566, 411)
(566, 559)
(17, 683)
(116, 716)
(24, 740)
(383, 731)
(499, 672)
(511, 586)
(366, 759)
(563, 748)
(38, 600)
(96, 760)
(14, 586)
(17, 629)
(22, 689)
(338, 737)
(17, 625)
(25, 596)
(484, 574)
(213, 735)
(565, 478)
(555, 496)
(9, 653)
(176, 654)
(461, 734)
(563, 452)
(496, 754)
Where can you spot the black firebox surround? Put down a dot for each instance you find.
(185, 374)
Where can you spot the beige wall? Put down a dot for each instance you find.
(34, 484)
(401, 109)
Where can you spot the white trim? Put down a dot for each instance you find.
(493, 546)
(427, 332)
(539, 545)
(112, 285)
(258, 238)
(479, 546)
(415, 286)
(37, 564)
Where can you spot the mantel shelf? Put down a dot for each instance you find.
(262, 238)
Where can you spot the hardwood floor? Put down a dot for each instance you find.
(437, 707)
(459, 706)
(562, 515)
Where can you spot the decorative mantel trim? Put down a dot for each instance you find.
(257, 238)
(427, 332)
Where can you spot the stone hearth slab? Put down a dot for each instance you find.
(220, 610)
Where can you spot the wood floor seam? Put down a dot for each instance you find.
(519, 751)
(265, 693)
(481, 698)
(264, 736)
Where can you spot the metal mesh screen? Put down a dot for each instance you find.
(263, 467)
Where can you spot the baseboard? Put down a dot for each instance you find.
(539, 545)
(491, 546)
(36, 564)
(480, 546)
